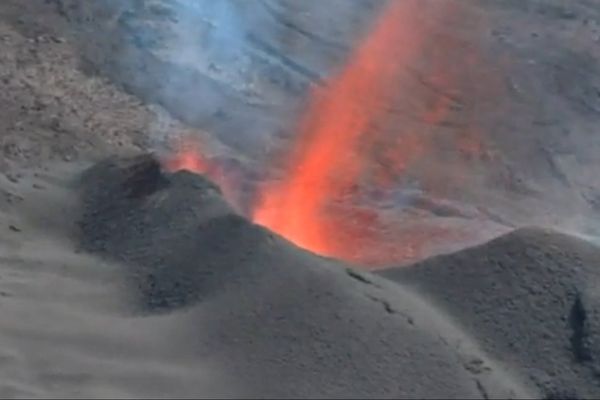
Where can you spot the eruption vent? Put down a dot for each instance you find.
(188, 156)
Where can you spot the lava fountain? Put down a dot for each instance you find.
(354, 137)
(328, 157)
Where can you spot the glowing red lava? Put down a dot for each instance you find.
(348, 140)
(188, 156)
(328, 159)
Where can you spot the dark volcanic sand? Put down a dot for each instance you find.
(530, 298)
(278, 320)
(175, 295)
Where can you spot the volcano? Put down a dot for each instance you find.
(180, 217)
(183, 247)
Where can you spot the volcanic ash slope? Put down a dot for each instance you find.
(530, 298)
(67, 330)
(273, 319)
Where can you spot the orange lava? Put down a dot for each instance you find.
(190, 155)
(328, 160)
(388, 116)
(187, 156)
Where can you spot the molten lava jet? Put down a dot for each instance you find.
(387, 119)
(328, 160)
